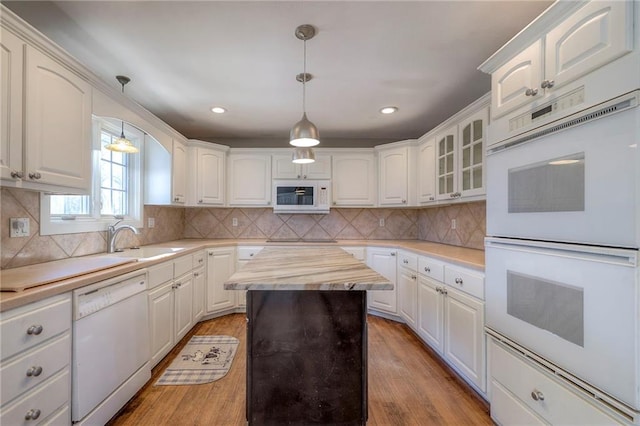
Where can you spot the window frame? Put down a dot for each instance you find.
(95, 222)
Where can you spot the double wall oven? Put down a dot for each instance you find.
(563, 218)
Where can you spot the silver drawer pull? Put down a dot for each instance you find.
(200, 260)
(34, 371)
(35, 329)
(414, 277)
(427, 269)
(459, 281)
(250, 254)
(405, 261)
(537, 395)
(32, 414)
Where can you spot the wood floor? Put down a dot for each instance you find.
(408, 385)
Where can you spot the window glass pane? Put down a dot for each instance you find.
(441, 147)
(477, 130)
(441, 187)
(105, 174)
(449, 143)
(105, 199)
(118, 157)
(441, 169)
(449, 163)
(466, 156)
(449, 183)
(477, 177)
(117, 177)
(118, 199)
(74, 205)
(466, 135)
(466, 180)
(477, 153)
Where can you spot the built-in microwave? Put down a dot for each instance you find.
(301, 196)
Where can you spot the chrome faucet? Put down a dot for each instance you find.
(112, 232)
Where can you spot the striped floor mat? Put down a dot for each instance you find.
(204, 359)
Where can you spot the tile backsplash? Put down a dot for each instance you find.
(171, 223)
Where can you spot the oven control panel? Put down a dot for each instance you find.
(543, 112)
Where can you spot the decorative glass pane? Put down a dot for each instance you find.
(71, 205)
(466, 180)
(466, 157)
(449, 144)
(441, 188)
(441, 147)
(449, 163)
(477, 177)
(449, 183)
(441, 169)
(477, 130)
(477, 153)
(466, 135)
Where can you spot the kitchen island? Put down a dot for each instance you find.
(306, 335)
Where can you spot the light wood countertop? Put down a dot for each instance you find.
(306, 268)
(461, 256)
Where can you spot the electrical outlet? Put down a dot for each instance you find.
(453, 224)
(234, 221)
(151, 222)
(381, 222)
(19, 227)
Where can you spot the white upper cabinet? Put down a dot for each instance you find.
(516, 82)
(396, 180)
(426, 171)
(179, 172)
(284, 168)
(53, 107)
(11, 62)
(206, 172)
(354, 179)
(594, 35)
(460, 151)
(249, 177)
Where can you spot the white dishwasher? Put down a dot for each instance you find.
(110, 346)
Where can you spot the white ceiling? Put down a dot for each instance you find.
(183, 57)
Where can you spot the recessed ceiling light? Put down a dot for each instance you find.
(389, 110)
(218, 110)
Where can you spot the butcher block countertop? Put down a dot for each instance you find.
(306, 268)
(81, 271)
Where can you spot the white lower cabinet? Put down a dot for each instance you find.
(199, 285)
(452, 321)
(173, 293)
(383, 261)
(408, 288)
(245, 254)
(35, 378)
(524, 392)
(220, 266)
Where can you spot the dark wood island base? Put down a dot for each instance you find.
(306, 357)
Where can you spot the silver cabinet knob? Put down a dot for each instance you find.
(427, 269)
(536, 395)
(405, 261)
(210, 253)
(200, 260)
(35, 329)
(199, 201)
(458, 281)
(34, 371)
(17, 175)
(334, 203)
(414, 277)
(439, 289)
(393, 253)
(250, 254)
(298, 177)
(547, 84)
(404, 201)
(195, 274)
(431, 198)
(32, 414)
(35, 175)
(304, 177)
(531, 92)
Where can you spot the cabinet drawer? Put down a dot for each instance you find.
(42, 402)
(357, 252)
(247, 253)
(465, 280)
(509, 410)
(47, 318)
(61, 417)
(548, 398)
(198, 259)
(182, 265)
(431, 268)
(18, 376)
(160, 274)
(408, 260)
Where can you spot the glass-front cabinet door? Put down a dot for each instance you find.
(472, 148)
(446, 160)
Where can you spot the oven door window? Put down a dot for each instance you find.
(556, 185)
(295, 195)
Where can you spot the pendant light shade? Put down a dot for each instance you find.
(122, 144)
(304, 133)
(303, 155)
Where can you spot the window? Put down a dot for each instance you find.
(116, 188)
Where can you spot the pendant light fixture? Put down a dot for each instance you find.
(304, 133)
(122, 144)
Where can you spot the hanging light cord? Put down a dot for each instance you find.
(122, 130)
(304, 76)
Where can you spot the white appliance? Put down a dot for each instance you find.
(301, 196)
(110, 346)
(574, 305)
(563, 210)
(573, 180)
